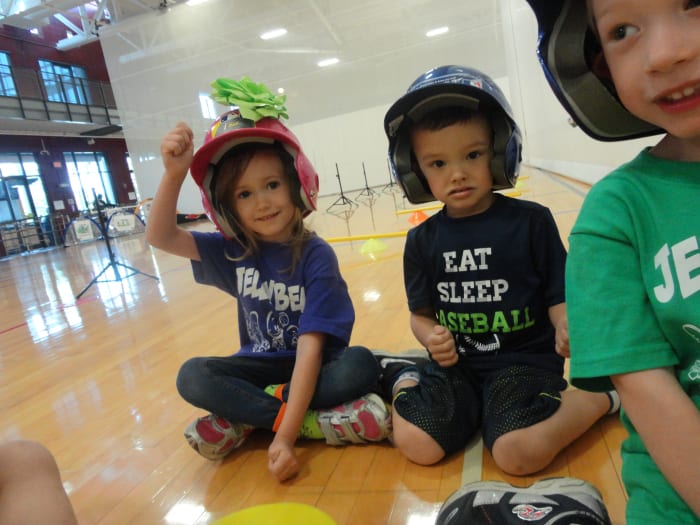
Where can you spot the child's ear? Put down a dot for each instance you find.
(599, 67)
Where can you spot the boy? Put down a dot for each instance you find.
(635, 312)
(485, 284)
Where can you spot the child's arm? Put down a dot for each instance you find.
(435, 337)
(282, 461)
(557, 315)
(162, 231)
(669, 424)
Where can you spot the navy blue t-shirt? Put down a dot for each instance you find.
(276, 306)
(490, 279)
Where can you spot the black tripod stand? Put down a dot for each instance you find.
(367, 192)
(342, 200)
(392, 186)
(113, 263)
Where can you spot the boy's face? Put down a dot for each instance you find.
(653, 51)
(262, 200)
(456, 163)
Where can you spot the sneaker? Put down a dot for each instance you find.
(214, 437)
(361, 421)
(554, 501)
(398, 366)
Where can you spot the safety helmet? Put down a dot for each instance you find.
(450, 86)
(230, 130)
(567, 49)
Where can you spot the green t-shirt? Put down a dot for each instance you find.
(633, 301)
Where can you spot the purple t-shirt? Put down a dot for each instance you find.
(276, 305)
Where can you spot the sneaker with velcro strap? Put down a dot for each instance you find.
(364, 420)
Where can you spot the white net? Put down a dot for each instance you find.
(80, 230)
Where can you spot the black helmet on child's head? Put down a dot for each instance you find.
(567, 50)
(450, 86)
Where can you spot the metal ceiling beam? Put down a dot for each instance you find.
(84, 34)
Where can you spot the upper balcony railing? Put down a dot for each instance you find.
(26, 94)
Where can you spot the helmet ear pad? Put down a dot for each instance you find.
(231, 130)
(505, 161)
(507, 152)
(506, 146)
(221, 181)
(451, 87)
(412, 181)
(571, 58)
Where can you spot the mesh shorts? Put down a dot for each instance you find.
(518, 397)
(446, 404)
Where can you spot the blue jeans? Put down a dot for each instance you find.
(232, 387)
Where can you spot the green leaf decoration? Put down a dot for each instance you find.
(255, 101)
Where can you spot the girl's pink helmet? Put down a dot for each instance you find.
(231, 130)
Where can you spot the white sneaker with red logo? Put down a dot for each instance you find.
(213, 437)
(364, 420)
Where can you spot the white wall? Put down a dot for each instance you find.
(158, 65)
(550, 141)
(350, 140)
(347, 140)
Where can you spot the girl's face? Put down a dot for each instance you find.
(456, 163)
(261, 198)
(653, 51)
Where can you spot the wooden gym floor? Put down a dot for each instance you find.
(93, 379)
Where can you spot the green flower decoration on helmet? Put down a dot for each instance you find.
(255, 101)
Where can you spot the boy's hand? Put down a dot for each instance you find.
(177, 150)
(281, 460)
(441, 345)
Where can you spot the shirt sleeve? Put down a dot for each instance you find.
(612, 326)
(550, 256)
(416, 274)
(213, 268)
(328, 309)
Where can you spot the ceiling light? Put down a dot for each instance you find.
(328, 62)
(274, 33)
(437, 31)
(280, 91)
(195, 2)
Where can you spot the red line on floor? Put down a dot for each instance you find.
(13, 328)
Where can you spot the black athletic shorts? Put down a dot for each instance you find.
(450, 404)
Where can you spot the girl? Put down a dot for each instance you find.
(294, 313)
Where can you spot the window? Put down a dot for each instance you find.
(89, 178)
(7, 83)
(22, 194)
(206, 104)
(64, 83)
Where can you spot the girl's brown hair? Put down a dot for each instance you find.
(226, 174)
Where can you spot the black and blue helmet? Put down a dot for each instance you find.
(567, 50)
(450, 86)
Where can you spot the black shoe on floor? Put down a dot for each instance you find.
(554, 501)
(395, 365)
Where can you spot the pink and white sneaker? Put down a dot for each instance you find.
(214, 438)
(364, 420)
